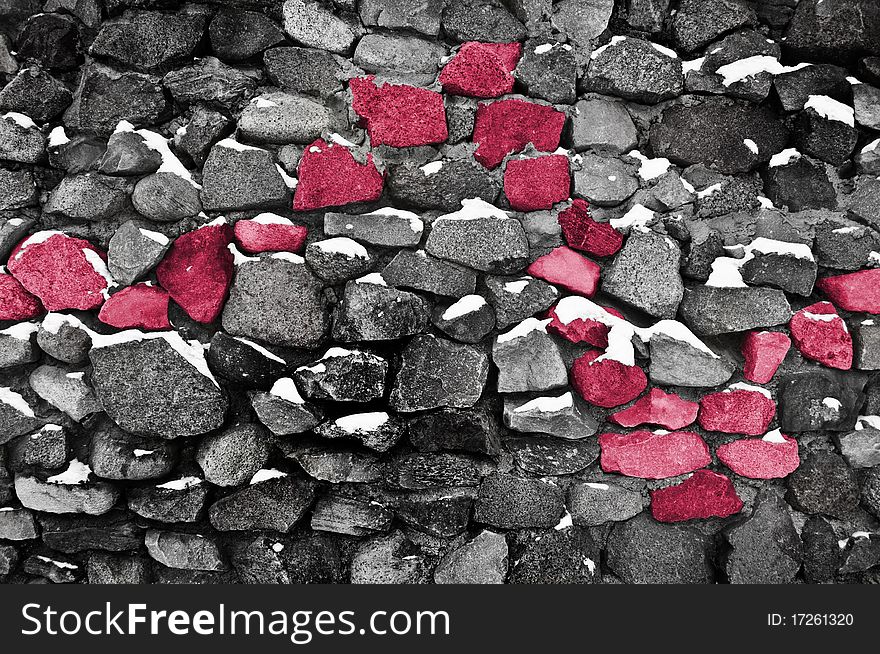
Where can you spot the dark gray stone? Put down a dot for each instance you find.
(636, 70)
(35, 93)
(352, 516)
(564, 556)
(472, 326)
(403, 58)
(312, 24)
(391, 559)
(824, 483)
(241, 177)
(592, 504)
(548, 74)
(552, 456)
(386, 227)
(444, 188)
(419, 15)
(184, 551)
(480, 20)
(696, 24)
(658, 293)
(604, 181)
(338, 259)
(713, 310)
(344, 376)
(468, 430)
(304, 70)
(237, 35)
(274, 504)
(231, 457)
(375, 312)
(511, 502)
(528, 359)
(282, 416)
(518, 298)
(209, 80)
(417, 270)
(802, 406)
(175, 501)
(482, 560)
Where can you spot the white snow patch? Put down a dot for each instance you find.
(474, 208)
(289, 182)
(871, 146)
(710, 190)
(415, 223)
(160, 238)
(832, 403)
(591, 565)
(343, 245)
(784, 158)
(766, 203)
(664, 50)
(271, 219)
(516, 287)
(597, 486)
(467, 304)
(692, 65)
(543, 48)
(853, 80)
(263, 103)
(259, 348)
(741, 69)
(362, 422)
(650, 168)
(139, 453)
(238, 257)
(76, 473)
(742, 386)
(725, 273)
(564, 522)
(831, 109)
(373, 278)
(547, 404)
(20, 119)
(637, 217)
(10, 398)
(170, 162)
(232, 144)
(751, 145)
(37, 238)
(677, 331)
(871, 421)
(58, 564)
(430, 168)
(782, 248)
(286, 389)
(180, 484)
(58, 137)
(337, 352)
(341, 140)
(524, 328)
(75, 375)
(265, 475)
(821, 317)
(22, 331)
(99, 266)
(774, 436)
(614, 41)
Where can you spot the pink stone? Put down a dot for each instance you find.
(607, 382)
(537, 183)
(585, 234)
(737, 412)
(481, 70)
(763, 352)
(399, 115)
(582, 330)
(15, 302)
(858, 291)
(568, 269)
(58, 271)
(197, 271)
(758, 458)
(658, 408)
(330, 176)
(137, 307)
(651, 455)
(507, 126)
(826, 341)
(705, 494)
(256, 237)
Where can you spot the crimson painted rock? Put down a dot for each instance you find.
(772, 457)
(399, 115)
(330, 176)
(62, 271)
(507, 126)
(658, 408)
(269, 233)
(606, 382)
(585, 234)
(705, 494)
(537, 183)
(565, 267)
(198, 269)
(763, 352)
(821, 335)
(858, 291)
(653, 455)
(15, 302)
(481, 70)
(580, 328)
(141, 306)
(740, 409)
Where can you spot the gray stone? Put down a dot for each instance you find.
(563, 417)
(17, 189)
(17, 524)
(482, 560)
(20, 141)
(816, 33)
(166, 197)
(417, 270)
(871, 491)
(67, 391)
(445, 188)
(669, 193)
(828, 140)
(658, 293)
(94, 498)
(57, 570)
(337, 466)
(12, 230)
(844, 244)
(548, 74)
(517, 298)
(241, 177)
(636, 70)
(352, 516)
(593, 504)
(284, 118)
(344, 376)
(860, 448)
(461, 112)
(472, 326)
(437, 373)
(510, 502)
(315, 26)
(800, 184)
(386, 227)
(114, 531)
(419, 15)
(468, 430)
(582, 21)
(552, 456)
(802, 402)
(864, 202)
(117, 455)
(128, 154)
(46, 448)
(785, 271)
(209, 80)
(443, 513)
(695, 24)
(263, 560)
(88, 197)
(418, 471)
(646, 15)
(8, 555)
(399, 57)
(231, 457)
(282, 416)
(866, 345)
(202, 129)
(184, 551)
(375, 430)
(14, 420)
(603, 126)
(17, 348)
(480, 20)
(134, 250)
(107, 568)
(824, 483)
(237, 35)
(304, 70)
(182, 503)
(35, 93)
(391, 559)
(275, 504)
(336, 260)
(866, 101)
(713, 310)
(794, 88)
(677, 363)
(821, 552)
(563, 556)
(528, 360)
(605, 182)
(375, 312)
(276, 301)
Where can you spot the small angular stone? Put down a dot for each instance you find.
(564, 556)
(606, 382)
(275, 504)
(517, 298)
(443, 184)
(506, 126)
(352, 516)
(375, 429)
(557, 416)
(331, 176)
(658, 293)
(184, 551)
(821, 335)
(604, 181)
(481, 70)
(370, 311)
(391, 559)
(283, 411)
(419, 271)
(386, 227)
(468, 320)
(482, 560)
(399, 57)
(237, 176)
(233, 456)
(344, 376)
(139, 306)
(532, 184)
(740, 409)
(666, 410)
(593, 504)
(763, 352)
(66, 391)
(528, 360)
(419, 15)
(117, 455)
(636, 70)
(860, 448)
(509, 502)
(209, 80)
(284, 118)
(565, 267)
(180, 500)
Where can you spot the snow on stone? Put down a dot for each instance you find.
(766, 203)
(286, 389)
(289, 182)
(99, 266)
(154, 236)
(725, 273)
(822, 317)
(316, 368)
(772, 246)
(430, 168)
(219, 220)
(524, 328)
(544, 47)
(831, 109)
(337, 352)
(58, 564)
(832, 403)
(415, 223)
(16, 401)
(36, 238)
(692, 65)
(565, 522)
(344, 246)
(620, 347)
(263, 103)
(238, 257)
(22, 331)
(75, 375)
(19, 119)
(774, 436)
(58, 137)
(591, 565)
(232, 144)
(650, 168)
(180, 484)
(574, 307)
(76, 473)
(53, 322)
(853, 80)
(614, 41)
(516, 287)
(597, 486)
(271, 219)
(636, 218)
(362, 422)
(547, 404)
(677, 331)
(741, 69)
(265, 475)
(288, 256)
(751, 145)
(664, 50)
(784, 158)
(259, 348)
(467, 304)
(170, 162)
(277, 547)
(373, 278)
(341, 140)
(474, 208)
(871, 146)
(710, 190)
(871, 421)
(139, 453)
(742, 386)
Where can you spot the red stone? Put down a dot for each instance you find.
(651, 455)
(481, 70)
(568, 269)
(858, 291)
(705, 494)
(606, 382)
(763, 352)
(399, 115)
(141, 306)
(658, 408)
(737, 412)
(537, 183)
(58, 271)
(758, 458)
(197, 271)
(585, 234)
(826, 341)
(330, 176)
(254, 236)
(582, 330)
(15, 302)
(506, 126)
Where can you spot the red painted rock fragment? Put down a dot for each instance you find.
(15, 302)
(763, 352)
(62, 271)
(858, 291)
(585, 234)
(537, 183)
(481, 70)
(772, 457)
(270, 233)
(566, 268)
(330, 176)
(507, 126)
(399, 115)
(141, 306)
(658, 408)
(821, 335)
(606, 382)
(652, 455)
(580, 330)
(737, 411)
(705, 494)
(197, 271)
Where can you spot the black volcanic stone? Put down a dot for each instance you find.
(801, 403)
(825, 484)
(508, 502)
(799, 185)
(566, 556)
(236, 360)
